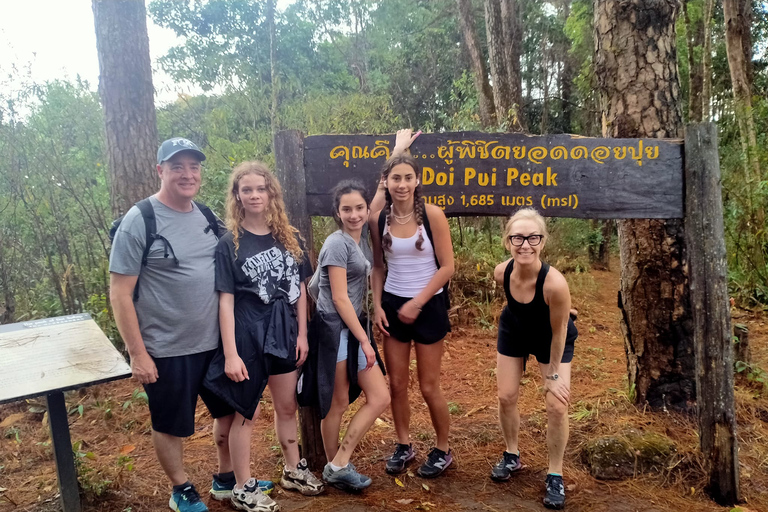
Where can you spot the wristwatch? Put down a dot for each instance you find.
(554, 376)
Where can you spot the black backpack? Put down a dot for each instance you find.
(382, 220)
(150, 225)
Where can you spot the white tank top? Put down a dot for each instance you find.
(409, 270)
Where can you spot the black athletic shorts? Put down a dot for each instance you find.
(281, 366)
(515, 340)
(430, 326)
(173, 397)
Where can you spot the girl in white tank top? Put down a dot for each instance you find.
(409, 306)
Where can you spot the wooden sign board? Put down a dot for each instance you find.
(475, 173)
(56, 354)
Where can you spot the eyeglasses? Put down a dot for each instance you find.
(518, 240)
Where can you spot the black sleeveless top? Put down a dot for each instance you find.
(530, 323)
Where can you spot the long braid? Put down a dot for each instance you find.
(386, 240)
(419, 212)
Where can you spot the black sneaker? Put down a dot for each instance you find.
(555, 497)
(404, 454)
(509, 463)
(437, 462)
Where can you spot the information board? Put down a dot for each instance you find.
(56, 354)
(475, 173)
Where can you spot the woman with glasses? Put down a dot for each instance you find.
(536, 322)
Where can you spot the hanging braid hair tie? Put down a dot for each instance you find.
(418, 208)
(386, 240)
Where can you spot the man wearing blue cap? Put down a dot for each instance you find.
(166, 309)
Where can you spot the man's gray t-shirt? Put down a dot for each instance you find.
(339, 251)
(178, 307)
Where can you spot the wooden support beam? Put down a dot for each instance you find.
(289, 168)
(62, 452)
(705, 241)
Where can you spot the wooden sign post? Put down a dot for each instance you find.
(474, 173)
(49, 357)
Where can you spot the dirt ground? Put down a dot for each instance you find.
(111, 432)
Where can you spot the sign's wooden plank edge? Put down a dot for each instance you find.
(45, 322)
(573, 136)
(66, 388)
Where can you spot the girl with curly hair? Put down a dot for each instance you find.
(261, 267)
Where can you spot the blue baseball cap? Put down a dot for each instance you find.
(175, 145)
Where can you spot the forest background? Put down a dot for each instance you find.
(359, 66)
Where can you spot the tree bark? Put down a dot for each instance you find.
(274, 79)
(494, 27)
(636, 70)
(694, 26)
(738, 41)
(127, 95)
(504, 36)
(706, 84)
(568, 72)
(477, 60)
(513, 50)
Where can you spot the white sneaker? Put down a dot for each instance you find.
(249, 497)
(302, 480)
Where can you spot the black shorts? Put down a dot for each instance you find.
(430, 326)
(279, 366)
(515, 340)
(173, 397)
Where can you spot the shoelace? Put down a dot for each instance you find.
(190, 494)
(434, 456)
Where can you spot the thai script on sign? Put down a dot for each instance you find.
(380, 149)
(480, 149)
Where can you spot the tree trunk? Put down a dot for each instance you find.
(737, 14)
(127, 95)
(694, 26)
(568, 72)
(636, 70)
(479, 73)
(494, 27)
(274, 79)
(706, 85)
(513, 50)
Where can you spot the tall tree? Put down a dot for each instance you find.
(738, 44)
(477, 60)
(695, 27)
(504, 36)
(127, 95)
(636, 69)
(706, 82)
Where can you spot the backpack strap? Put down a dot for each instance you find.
(428, 229)
(150, 228)
(382, 222)
(213, 221)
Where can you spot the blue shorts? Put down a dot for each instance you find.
(342, 354)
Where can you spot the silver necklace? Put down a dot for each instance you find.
(399, 217)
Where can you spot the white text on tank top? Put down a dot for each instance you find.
(409, 270)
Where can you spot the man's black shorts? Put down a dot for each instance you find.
(430, 326)
(173, 397)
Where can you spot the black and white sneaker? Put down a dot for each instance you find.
(404, 453)
(301, 479)
(509, 463)
(250, 498)
(437, 462)
(555, 497)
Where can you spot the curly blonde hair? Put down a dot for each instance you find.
(277, 220)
